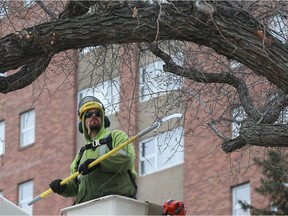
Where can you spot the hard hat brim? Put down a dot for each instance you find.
(89, 105)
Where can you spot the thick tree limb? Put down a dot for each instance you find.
(222, 25)
(231, 31)
(35, 66)
(268, 135)
(229, 146)
(25, 76)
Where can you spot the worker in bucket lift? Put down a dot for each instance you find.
(114, 175)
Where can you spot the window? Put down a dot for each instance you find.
(3, 8)
(28, 3)
(25, 196)
(238, 114)
(242, 193)
(160, 152)
(279, 27)
(107, 92)
(27, 136)
(2, 137)
(283, 117)
(86, 50)
(155, 82)
(234, 64)
(273, 207)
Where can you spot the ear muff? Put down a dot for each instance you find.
(80, 128)
(107, 124)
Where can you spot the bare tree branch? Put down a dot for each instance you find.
(35, 66)
(258, 135)
(25, 76)
(76, 8)
(231, 28)
(222, 77)
(47, 11)
(233, 41)
(245, 138)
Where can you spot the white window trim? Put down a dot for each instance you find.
(155, 153)
(23, 203)
(24, 117)
(2, 137)
(235, 204)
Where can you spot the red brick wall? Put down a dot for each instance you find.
(54, 100)
(128, 90)
(209, 173)
(127, 115)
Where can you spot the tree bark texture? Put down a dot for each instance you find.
(222, 25)
(229, 30)
(268, 135)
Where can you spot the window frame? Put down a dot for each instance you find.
(237, 206)
(23, 203)
(24, 117)
(2, 138)
(155, 154)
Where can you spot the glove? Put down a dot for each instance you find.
(56, 187)
(83, 168)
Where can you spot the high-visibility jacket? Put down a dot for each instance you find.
(115, 175)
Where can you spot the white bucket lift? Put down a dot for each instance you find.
(113, 205)
(9, 208)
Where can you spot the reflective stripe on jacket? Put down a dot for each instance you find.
(111, 177)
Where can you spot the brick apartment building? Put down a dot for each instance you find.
(39, 127)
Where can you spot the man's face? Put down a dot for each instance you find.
(93, 120)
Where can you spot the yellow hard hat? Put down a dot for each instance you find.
(87, 103)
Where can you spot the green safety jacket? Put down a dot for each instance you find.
(115, 175)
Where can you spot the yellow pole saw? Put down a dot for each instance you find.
(154, 126)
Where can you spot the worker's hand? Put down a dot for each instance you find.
(56, 187)
(83, 168)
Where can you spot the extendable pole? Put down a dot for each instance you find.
(154, 126)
